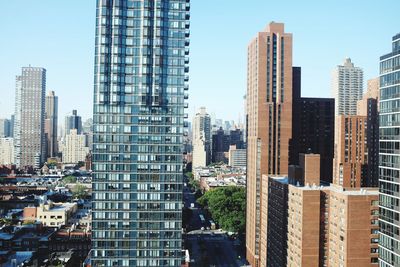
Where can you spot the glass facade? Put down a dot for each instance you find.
(389, 157)
(141, 66)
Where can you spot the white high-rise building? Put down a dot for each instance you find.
(29, 139)
(201, 138)
(6, 150)
(74, 149)
(347, 87)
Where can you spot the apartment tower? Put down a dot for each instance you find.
(269, 127)
(201, 138)
(347, 87)
(313, 131)
(140, 79)
(389, 157)
(51, 124)
(369, 106)
(73, 121)
(29, 117)
(5, 128)
(351, 157)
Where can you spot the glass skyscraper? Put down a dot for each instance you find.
(389, 157)
(141, 66)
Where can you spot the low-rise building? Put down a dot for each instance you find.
(55, 214)
(220, 175)
(71, 237)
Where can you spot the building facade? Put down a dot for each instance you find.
(351, 154)
(313, 131)
(220, 145)
(389, 156)
(237, 157)
(73, 121)
(332, 226)
(269, 127)
(29, 117)
(347, 87)
(369, 106)
(6, 150)
(5, 128)
(201, 138)
(141, 66)
(74, 149)
(51, 124)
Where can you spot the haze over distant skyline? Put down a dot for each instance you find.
(59, 36)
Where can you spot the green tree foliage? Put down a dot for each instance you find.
(227, 206)
(189, 175)
(79, 191)
(68, 180)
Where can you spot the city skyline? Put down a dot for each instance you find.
(146, 173)
(73, 82)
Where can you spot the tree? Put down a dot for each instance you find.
(227, 206)
(79, 191)
(189, 175)
(68, 180)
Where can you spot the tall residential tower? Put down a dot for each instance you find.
(389, 157)
(269, 128)
(138, 125)
(51, 120)
(73, 121)
(29, 117)
(347, 87)
(201, 138)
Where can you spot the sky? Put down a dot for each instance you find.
(59, 36)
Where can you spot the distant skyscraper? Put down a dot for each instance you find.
(12, 125)
(73, 121)
(313, 131)
(51, 123)
(201, 138)
(5, 128)
(6, 150)
(347, 87)
(313, 127)
(141, 76)
(75, 149)
(220, 145)
(269, 128)
(29, 117)
(389, 157)
(87, 129)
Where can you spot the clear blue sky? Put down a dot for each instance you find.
(59, 35)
